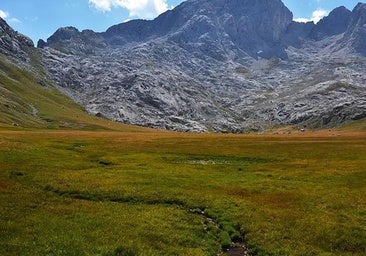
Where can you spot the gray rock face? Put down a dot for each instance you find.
(297, 33)
(334, 24)
(249, 26)
(218, 65)
(355, 35)
(13, 44)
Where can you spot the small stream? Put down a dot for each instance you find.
(237, 251)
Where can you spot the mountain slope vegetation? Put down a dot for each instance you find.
(31, 101)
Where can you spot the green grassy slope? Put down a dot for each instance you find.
(359, 125)
(26, 103)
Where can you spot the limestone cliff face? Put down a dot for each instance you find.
(335, 23)
(221, 65)
(12, 43)
(249, 26)
(355, 35)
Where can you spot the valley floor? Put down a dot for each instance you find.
(163, 193)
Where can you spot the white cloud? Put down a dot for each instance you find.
(14, 20)
(302, 20)
(3, 14)
(6, 16)
(146, 9)
(317, 15)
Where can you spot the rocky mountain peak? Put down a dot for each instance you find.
(3, 24)
(359, 15)
(218, 65)
(13, 43)
(254, 27)
(355, 35)
(360, 6)
(335, 23)
(62, 34)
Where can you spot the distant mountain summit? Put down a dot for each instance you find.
(355, 36)
(250, 26)
(243, 26)
(335, 23)
(220, 65)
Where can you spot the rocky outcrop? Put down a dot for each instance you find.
(297, 33)
(355, 36)
(252, 27)
(217, 65)
(13, 44)
(248, 26)
(334, 24)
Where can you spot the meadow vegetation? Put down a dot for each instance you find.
(161, 193)
(73, 184)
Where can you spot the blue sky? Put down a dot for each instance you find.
(41, 18)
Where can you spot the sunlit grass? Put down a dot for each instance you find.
(159, 193)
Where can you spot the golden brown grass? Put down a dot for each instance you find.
(143, 193)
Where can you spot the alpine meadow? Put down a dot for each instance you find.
(221, 127)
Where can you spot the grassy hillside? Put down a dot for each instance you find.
(27, 101)
(359, 125)
(122, 193)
